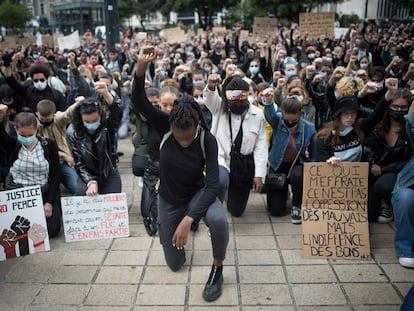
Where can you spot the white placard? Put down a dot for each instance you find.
(23, 225)
(98, 217)
(69, 42)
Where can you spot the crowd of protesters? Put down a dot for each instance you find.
(276, 103)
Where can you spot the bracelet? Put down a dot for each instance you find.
(91, 182)
(22, 236)
(38, 244)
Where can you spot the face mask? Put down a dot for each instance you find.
(380, 85)
(357, 41)
(337, 95)
(298, 97)
(254, 70)
(238, 109)
(26, 141)
(88, 80)
(207, 69)
(200, 100)
(290, 125)
(251, 99)
(346, 131)
(290, 73)
(162, 74)
(40, 85)
(323, 74)
(361, 54)
(311, 55)
(303, 65)
(328, 59)
(363, 66)
(396, 115)
(198, 82)
(92, 126)
(46, 123)
(7, 103)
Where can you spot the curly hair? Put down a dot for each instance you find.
(39, 68)
(348, 86)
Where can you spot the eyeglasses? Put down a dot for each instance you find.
(38, 80)
(399, 108)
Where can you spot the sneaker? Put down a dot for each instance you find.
(296, 214)
(406, 262)
(213, 287)
(386, 215)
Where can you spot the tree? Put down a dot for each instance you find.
(205, 8)
(13, 16)
(129, 8)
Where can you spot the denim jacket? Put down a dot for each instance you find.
(405, 178)
(281, 134)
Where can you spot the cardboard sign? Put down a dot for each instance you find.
(264, 28)
(69, 42)
(26, 41)
(335, 211)
(219, 32)
(140, 35)
(23, 225)
(174, 35)
(317, 24)
(94, 218)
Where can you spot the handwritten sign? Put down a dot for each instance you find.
(264, 28)
(335, 211)
(174, 35)
(69, 42)
(219, 32)
(23, 225)
(93, 218)
(317, 24)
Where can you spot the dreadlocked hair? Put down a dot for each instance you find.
(186, 113)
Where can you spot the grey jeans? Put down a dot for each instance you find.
(170, 216)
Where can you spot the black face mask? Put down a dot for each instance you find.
(397, 115)
(290, 125)
(238, 109)
(46, 123)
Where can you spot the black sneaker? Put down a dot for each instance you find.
(386, 215)
(212, 290)
(296, 215)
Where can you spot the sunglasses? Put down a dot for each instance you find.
(38, 80)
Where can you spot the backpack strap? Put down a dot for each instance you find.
(202, 139)
(45, 145)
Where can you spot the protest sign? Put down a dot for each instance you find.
(23, 225)
(317, 25)
(95, 217)
(140, 35)
(26, 41)
(264, 28)
(69, 42)
(174, 35)
(219, 32)
(335, 211)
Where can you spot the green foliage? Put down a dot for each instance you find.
(13, 16)
(346, 20)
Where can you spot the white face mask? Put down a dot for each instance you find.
(363, 66)
(40, 85)
(251, 99)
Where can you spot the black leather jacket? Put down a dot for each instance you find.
(391, 159)
(94, 155)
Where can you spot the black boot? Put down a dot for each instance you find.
(212, 290)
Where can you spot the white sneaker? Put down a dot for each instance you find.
(296, 215)
(407, 262)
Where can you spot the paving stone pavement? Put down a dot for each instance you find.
(264, 270)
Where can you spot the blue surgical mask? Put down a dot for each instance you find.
(207, 68)
(238, 109)
(198, 82)
(162, 74)
(380, 85)
(26, 141)
(290, 73)
(254, 70)
(323, 74)
(92, 126)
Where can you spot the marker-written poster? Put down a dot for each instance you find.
(23, 225)
(97, 217)
(335, 211)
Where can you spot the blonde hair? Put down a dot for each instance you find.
(348, 86)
